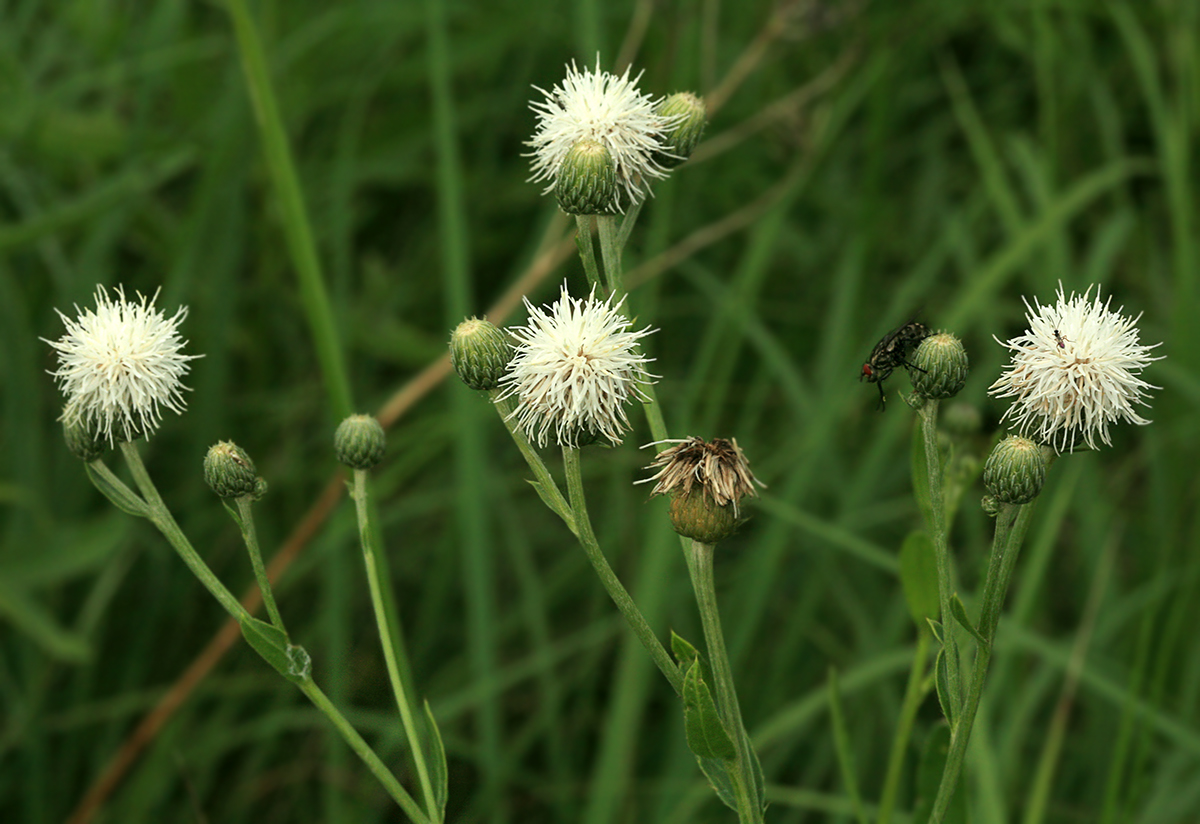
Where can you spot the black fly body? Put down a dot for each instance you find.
(892, 352)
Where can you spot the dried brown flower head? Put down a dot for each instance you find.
(718, 467)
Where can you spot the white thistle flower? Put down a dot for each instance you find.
(118, 364)
(609, 110)
(576, 366)
(1074, 371)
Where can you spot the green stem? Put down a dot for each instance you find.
(389, 638)
(941, 551)
(913, 695)
(614, 587)
(550, 492)
(1011, 524)
(245, 505)
(610, 251)
(297, 230)
(364, 751)
(727, 701)
(161, 517)
(587, 250)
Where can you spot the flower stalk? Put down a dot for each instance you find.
(928, 414)
(743, 772)
(612, 585)
(379, 583)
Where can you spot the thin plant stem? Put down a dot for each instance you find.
(1011, 524)
(628, 222)
(161, 517)
(548, 487)
(587, 249)
(610, 252)
(363, 750)
(913, 695)
(245, 506)
(616, 590)
(379, 584)
(727, 701)
(941, 552)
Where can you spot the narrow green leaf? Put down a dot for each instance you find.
(551, 504)
(918, 576)
(685, 654)
(717, 773)
(942, 682)
(233, 513)
(936, 628)
(122, 497)
(706, 733)
(435, 756)
(289, 660)
(960, 614)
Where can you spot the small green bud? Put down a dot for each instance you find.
(82, 441)
(691, 117)
(480, 353)
(359, 442)
(230, 472)
(696, 515)
(990, 506)
(939, 366)
(587, 181)
(1015, 471)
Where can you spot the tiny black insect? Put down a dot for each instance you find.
(1058, 337)
(891, 352)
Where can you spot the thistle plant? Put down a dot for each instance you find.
(576, 365)
(1073, 372)
(119, 365)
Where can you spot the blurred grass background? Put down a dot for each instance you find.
(871, 161)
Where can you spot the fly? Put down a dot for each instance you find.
(892, 351)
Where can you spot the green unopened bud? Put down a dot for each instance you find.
(939, 367)
(230, 472)
(359, 442)
(587, 181)
(697, 516)
(82, 441)
(990, 506)
(480, 353)
(691, 117)
(1015, 471)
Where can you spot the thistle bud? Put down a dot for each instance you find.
(82, 441)
(697, 516)
(359, 442)
(587, 181)
(480, 353)
(230, 473)
(1015, 471)
(939, 366)
(706, 482)
(690, 116)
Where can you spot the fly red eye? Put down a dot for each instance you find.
(866, 371)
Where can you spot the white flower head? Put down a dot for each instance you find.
(1075, 371)
(576, 365)
(609, 110)
(119, 364)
